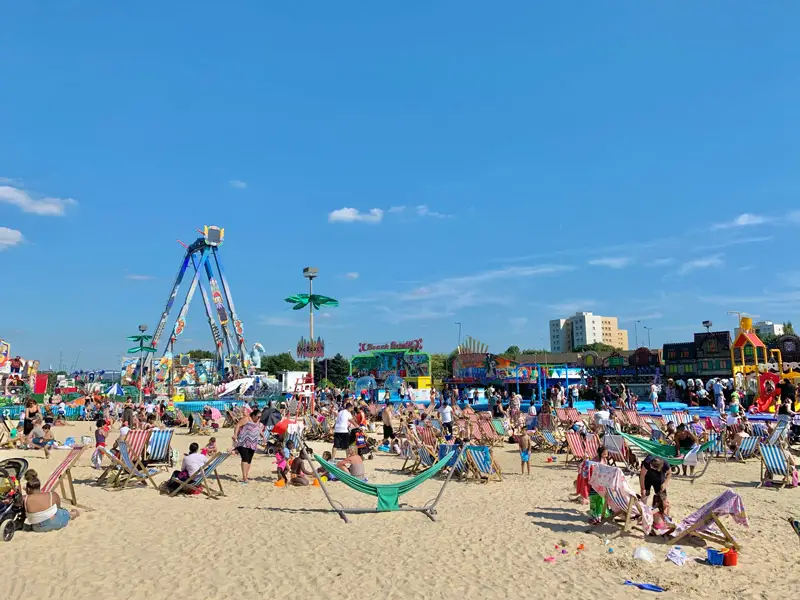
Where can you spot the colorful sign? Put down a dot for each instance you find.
(413, 345)
(488, 368)
(310, 348)
(5, 352)
(383, 364)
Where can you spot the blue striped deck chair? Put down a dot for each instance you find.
(127, 471)
(672, 418)
(550, 438)
(656, 435)
(425, 459)
(780, 433)
(458, 464)
(200, 479)
(760, 430)
(773, 462)
(482, 464)
(159, 451)
(747, 449)
(437, 425)
(718, 448)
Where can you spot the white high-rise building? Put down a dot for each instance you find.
(764, 328)
(586, 328)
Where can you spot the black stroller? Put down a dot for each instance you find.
(12, 509)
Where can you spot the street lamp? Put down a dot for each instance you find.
(648, 335)
(636, 331)
(459, 333)
(311, 273)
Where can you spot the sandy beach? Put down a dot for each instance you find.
(490, 540)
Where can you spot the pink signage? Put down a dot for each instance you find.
(414, 345)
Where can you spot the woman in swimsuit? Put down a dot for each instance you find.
(31, 412)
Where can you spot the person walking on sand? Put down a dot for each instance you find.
(524, 442)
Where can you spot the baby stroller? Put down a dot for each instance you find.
(12, 509)
(364, 444)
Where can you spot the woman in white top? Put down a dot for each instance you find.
(43, 510)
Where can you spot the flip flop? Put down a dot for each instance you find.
(795, 525)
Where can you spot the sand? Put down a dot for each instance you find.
(490, 540)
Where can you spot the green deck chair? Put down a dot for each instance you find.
(388, 494)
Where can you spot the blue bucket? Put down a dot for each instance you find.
(715, 557)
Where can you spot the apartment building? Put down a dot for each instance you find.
(586, 328)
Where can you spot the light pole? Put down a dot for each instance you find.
(141, 349)
(648, 335)
(459, 333)
(310, 273)
(636, 332)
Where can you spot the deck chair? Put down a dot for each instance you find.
(425, 459)
(180, 418)
(200, 479)
(482, 464)
(136, 442)
(428, 436)
(705, 522)
(747, 449)
(388, 494)
(760, 430)
(780, 433)
(545, 440)
(411, 458)
(621, 499)
(499, 427)
(197, 425)
(458, 463)
(591, 443)
(617, 451)
(62, 472)
(128, 469)
(159, 450)
(773, 462)
(576, 451)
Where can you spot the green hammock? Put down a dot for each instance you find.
(664, 451)
(388, 494)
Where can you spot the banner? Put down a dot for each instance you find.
(413, 345)
(40, 386)
(310, 348)
(5, 353)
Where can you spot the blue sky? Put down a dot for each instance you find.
(497, 165)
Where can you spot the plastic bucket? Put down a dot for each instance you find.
(715, 557)
(731, 558)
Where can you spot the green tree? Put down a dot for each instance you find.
(198, 354)
(335, 369)
(596, 346)
(275, 363)
(769, 338)
(788, 328)
(441, 367)
(529, 351)
(512, 352)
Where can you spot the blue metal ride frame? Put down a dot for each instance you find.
(170, 301)
(211, 320)
(189, 294)
(228, 341)
(231, 309)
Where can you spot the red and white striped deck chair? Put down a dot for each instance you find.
(573, 415)
(561, 415)
(137, 440)
(591, 443)
(621, 418)
(488, 434)
(589, 420)
(636, 421)
(576, 451)
(546, 422)
(428, 436)
(64, 471)
(617, 451)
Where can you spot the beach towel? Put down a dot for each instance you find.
(602, 477)
(692, 457)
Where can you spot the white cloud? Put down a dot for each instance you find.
(134, 277)
(701, 263)
(743, 220)
(794, 216)
(237, 184)
(573, 306)
(352, 275)
(424, 211)
(518, 322)
(48, 207)
(397, 209)
(611, 262)
(643, 317)
(352, 215)
(661, 262)
(9, 238)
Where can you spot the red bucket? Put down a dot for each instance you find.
(731, 558)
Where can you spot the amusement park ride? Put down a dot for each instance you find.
(227, 331)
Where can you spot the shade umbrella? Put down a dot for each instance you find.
(115, 390)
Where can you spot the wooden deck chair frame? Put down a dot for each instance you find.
(65, 469)
(126, 474)
(6, 440)
(197, 425)
(196, 482)
(623, 518)
(726, 539)
(136, 458)
(748, 448)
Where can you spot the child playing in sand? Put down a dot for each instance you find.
(282, 467)
(211, 448)
(524, 441)
(662, 524)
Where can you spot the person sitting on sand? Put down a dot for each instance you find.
(524, 441)
(322, 470)
(300, 472)
(210, 449)
(36, 438)
(353, 463)
(43, 511)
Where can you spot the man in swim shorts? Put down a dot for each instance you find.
(524, 452)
